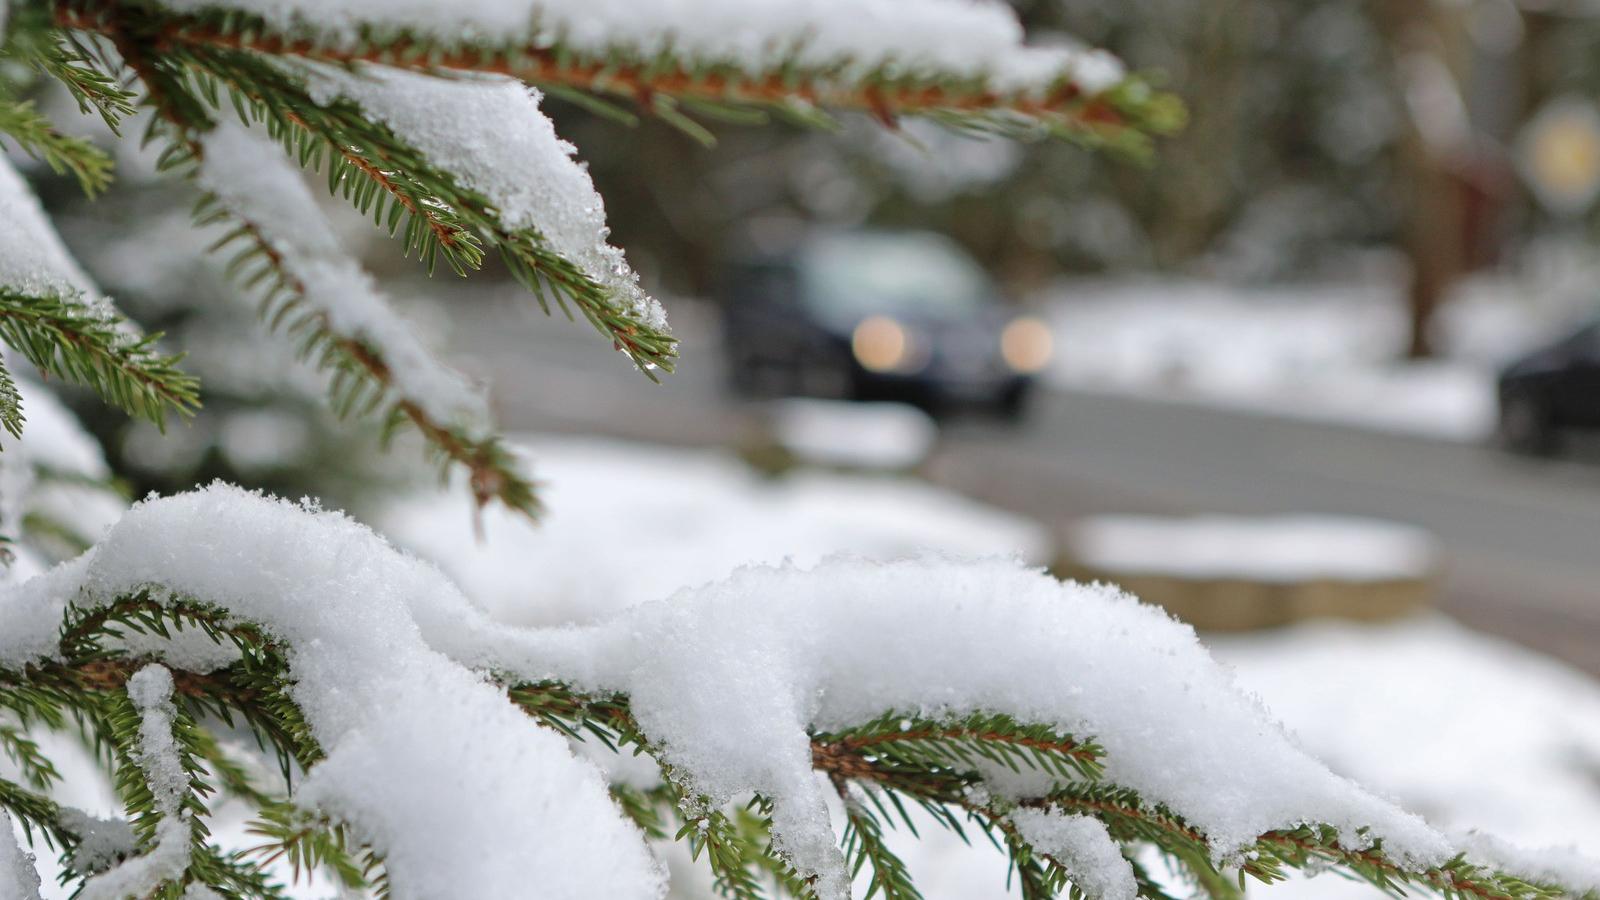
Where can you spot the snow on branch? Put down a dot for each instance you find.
(342, 319)
(491, 137)
(251, 179)
(166, 781)
(951, 58)
(986, 694)
(464, 161)
(52, 316)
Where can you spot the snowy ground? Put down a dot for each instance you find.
(1327, 353)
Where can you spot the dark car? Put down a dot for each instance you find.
(904, 316)
(1553, 390)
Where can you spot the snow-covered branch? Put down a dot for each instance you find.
(983, 692)
(948, 58)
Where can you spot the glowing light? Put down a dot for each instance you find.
(880, 344)
(1027, 345)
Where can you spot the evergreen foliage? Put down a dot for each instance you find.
(192, 70)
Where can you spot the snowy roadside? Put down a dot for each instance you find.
(1327, 353)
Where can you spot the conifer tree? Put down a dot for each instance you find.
(415, 748)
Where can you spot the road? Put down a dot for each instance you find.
(1521, 538)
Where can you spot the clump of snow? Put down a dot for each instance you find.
(930, 38)
(1265, 548)
(1084, 846)
(856, 435)
(489, 133)
(775, 652)
(101, 842)
(454, 755)
(19, 880)
(150, 692)
(253, 180)
(722, 516)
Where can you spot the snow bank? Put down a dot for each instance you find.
(956, 38)
(708, 514)
(1326, 353)
(254, 181)
(1266, 548)
(855, 435)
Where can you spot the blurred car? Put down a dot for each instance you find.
(877, 315)
(1553, 390)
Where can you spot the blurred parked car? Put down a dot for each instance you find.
(1552, 390)
(873, 315)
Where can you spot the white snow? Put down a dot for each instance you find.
(956, 38)
(101, 842)
(771, 652)
(54, 439)
(715, 515)
(1084, 846)
(150, 691)
(855, 435)
(51, 469)
(339, 597)
(19, 880)
(1566, 866)
(490, 134)
(1321, 352)
(255, 182)
(33, 261)
(726, 679)
(1263, 548)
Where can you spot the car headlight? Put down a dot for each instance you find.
(880, 344)
(1027, 345)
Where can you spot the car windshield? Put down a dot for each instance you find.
(921, 274)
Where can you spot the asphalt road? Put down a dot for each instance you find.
(1521, 538)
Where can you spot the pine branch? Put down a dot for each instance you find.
(443, 216)
(998, 739)
(31, 42)
(1122, 117)
(897, 764)
(711, 832)
(38, 137)
(37, 813)
(11, 416)
(863, 845)
(25, 754)
(309, 842)
(69, 339)
(362, 381)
